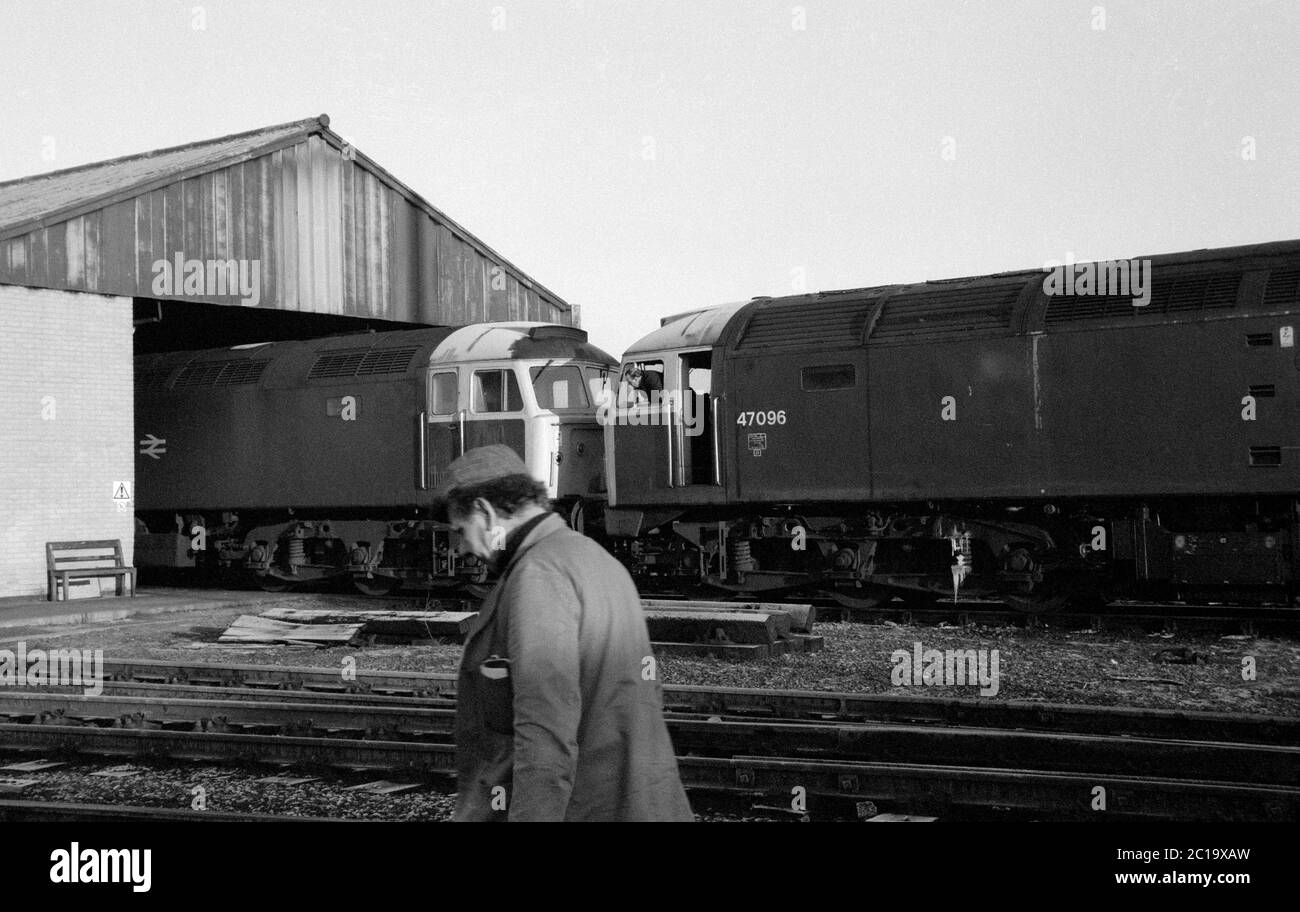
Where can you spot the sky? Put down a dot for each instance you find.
(645, 158)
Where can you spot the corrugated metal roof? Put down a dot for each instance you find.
(31, 202)
(327, 229)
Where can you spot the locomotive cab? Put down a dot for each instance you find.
(665, 438)
(544, 409)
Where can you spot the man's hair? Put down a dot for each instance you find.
(507, 494)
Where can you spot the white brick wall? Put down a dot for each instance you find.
(71, 352)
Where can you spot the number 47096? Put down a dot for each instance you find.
(761, 418)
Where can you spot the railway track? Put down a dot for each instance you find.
(15, 811)
(1151, 764)
(177, 678)
(1248, 619)
(694, 734)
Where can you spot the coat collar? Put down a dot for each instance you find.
(548, 526)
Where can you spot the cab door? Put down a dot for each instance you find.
(664, 432)
(637, 438)
(444, 422)
(697, 459)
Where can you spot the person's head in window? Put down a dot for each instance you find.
(641, 379)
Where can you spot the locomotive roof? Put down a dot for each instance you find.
(288, 363)
(1197, 282)
(510, 341)
(688, 330)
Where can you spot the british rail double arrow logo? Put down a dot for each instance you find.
(153, 446)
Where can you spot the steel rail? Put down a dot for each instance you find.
(782, 704)
(920, 787)
(409, 756)
(696, 734)
(76, 812)
(924, 788)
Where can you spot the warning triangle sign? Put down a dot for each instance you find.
(121, 490)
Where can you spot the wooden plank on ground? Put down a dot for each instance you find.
(668, 626)
(251, 629)
(901, 818)
(803, 616)
(415, 624)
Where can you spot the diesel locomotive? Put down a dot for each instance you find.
(1027, 436)
(304, 460)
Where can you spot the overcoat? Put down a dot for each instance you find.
(576, 731)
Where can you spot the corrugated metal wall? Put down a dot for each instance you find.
(328, 234)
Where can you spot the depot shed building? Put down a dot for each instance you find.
(283, 232)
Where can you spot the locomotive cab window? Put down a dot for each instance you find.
(496, 391)
(640, 382)
(442, 393)
(598, 383)
(828, 377)
(558, 386)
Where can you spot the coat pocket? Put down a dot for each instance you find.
(498, 696)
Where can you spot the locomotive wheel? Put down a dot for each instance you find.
(270, 583)
(848, 601)
(1036, 604)
(1074, 591)
(377, 586)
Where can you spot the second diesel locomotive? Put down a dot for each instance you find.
(311, 459)
(973, 437)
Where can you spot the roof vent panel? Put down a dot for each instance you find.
(943, 311)
(806, 323)
(1283, 288)
(1181, 294)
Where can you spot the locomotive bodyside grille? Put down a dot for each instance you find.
(154, 378)
(361, 363)
(1283, 288)
(220, 373)
(1184, 294)
(1195, 293)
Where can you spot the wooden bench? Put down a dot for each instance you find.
(58, 556)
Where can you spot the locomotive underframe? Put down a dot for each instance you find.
(285, 550)
(1037, 555)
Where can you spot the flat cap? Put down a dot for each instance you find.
(477, 466)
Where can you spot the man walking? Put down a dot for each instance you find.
(559, 711)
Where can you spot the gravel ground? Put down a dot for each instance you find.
(229, 788)
(177, 784)
(1060, 666)
(1057, 665)
(1048, 664)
